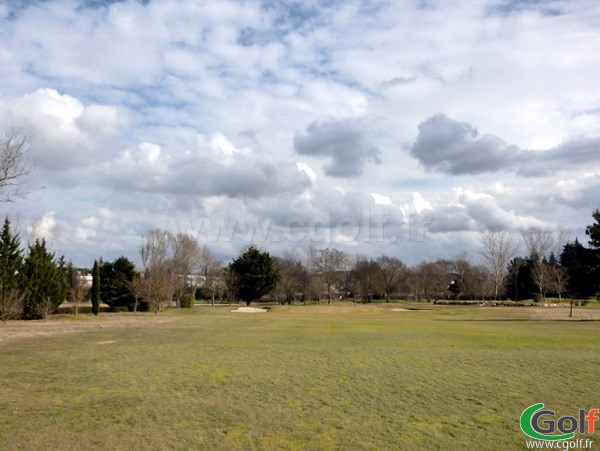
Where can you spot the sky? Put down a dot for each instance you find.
(404, 128)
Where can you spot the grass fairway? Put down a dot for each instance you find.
(299, 377)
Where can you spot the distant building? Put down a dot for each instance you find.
(195, 280)
(85, 279)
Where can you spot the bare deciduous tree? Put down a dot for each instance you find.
(293, 277)
(366, 276)
(231, 285)
(185, 253)
(561, 238)
(313, 289)
(78, 290)
(393, 271)
(539, 242)
(211, 271)
(558, 277)
(14, 166)
(11, 304)
(158, 268)
(155, 248)
(498, 247)
(429, 280)
(138, 289)
(460, 268)
(329, 263)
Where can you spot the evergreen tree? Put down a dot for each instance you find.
(519, 283)
(593, 230)
(115, 282)
(96, 288)
(584, 269)
(256, 274)
(11, 259)
(46, 284)
(11, 274)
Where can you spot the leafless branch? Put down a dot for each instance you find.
(14, 165)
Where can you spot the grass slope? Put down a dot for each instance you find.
(315, 377)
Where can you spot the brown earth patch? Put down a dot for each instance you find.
(62, 324)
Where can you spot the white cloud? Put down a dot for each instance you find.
(307, 170)
(419, 204)
(380, 199)
(44, 227)
(64, 133)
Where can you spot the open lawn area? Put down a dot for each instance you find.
(299, 377)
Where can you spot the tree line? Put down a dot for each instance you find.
(177, 271)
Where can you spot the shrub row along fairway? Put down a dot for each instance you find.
(298, 377)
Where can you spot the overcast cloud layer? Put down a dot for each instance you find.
(403, 127)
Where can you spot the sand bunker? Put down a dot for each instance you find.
(250, 310)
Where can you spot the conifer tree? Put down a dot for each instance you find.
(11, 258)
(256, 274)
(96, 288)
(593, 230)
(46, 284)
(11, 274)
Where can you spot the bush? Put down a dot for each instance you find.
(187, 301)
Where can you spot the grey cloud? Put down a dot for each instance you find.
(445, 145)
(399, 81)
(325, 206)
(576, 153)
(243, 179)
(449, 218)
(343, 142)
(456, 148)
(204, 174)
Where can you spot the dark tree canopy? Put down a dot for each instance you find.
(583, 266)
(115, 282)
(256, 274)
(46, 286)
(593, 230)
(95, 288)
(11, 259)
(519, 283)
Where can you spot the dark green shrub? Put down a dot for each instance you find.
(187, 301)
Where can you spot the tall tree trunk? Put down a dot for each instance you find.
(571, 309)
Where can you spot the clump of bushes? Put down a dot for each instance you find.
(187, 301)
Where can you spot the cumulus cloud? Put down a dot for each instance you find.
(344, 143)
(214, 168)
(64, 132)
(579, 153)
(456, 148)
(452, 147)
(380, 199)
(470, 210)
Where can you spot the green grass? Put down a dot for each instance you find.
(299, 377)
